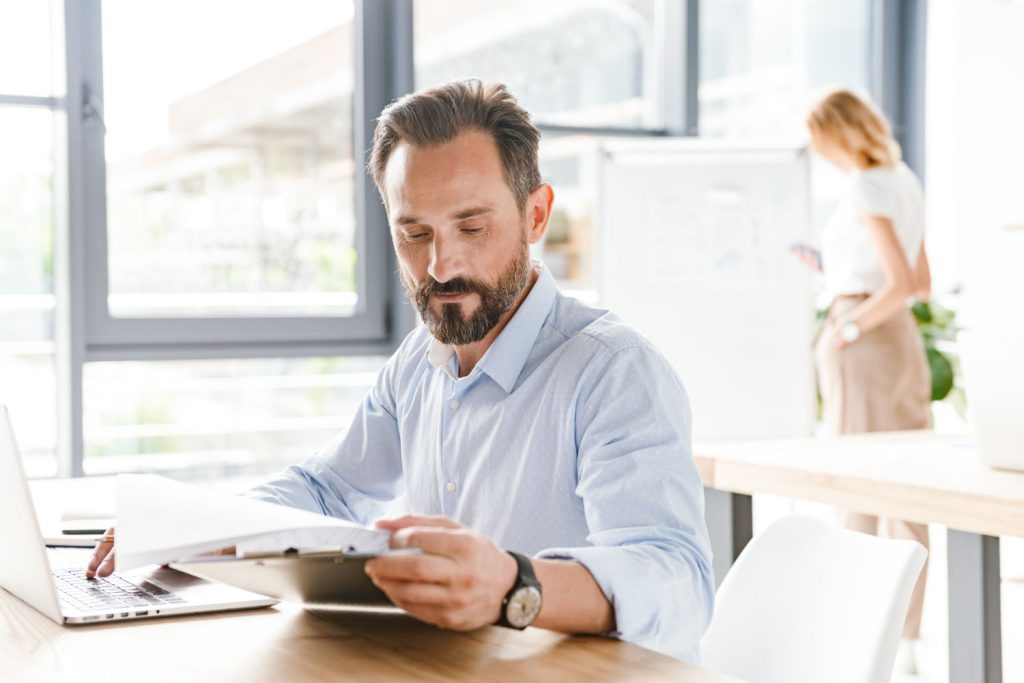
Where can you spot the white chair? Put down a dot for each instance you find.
(807, 602)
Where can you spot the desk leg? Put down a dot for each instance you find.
(975, 633)
(730, 519)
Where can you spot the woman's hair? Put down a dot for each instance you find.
(856, 126)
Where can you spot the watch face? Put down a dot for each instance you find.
(523, 607)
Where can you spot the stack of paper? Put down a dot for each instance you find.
(161, 521)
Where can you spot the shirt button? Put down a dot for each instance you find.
(454, 404)
(451, 487)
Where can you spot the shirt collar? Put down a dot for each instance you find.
(504, 360)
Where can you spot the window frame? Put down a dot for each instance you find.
(102, 331)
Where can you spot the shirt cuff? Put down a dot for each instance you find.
(658, 603)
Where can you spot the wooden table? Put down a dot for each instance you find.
(287, 643)
(916, 476)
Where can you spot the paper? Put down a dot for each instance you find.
(161, 521)
(715, 238)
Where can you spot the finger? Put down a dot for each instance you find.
(417, 520)
(420, 568)
(107, 568)
(102, 549)
(446, 542)
(414, 593)
(98, 555)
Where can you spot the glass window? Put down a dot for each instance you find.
(761, 60)
(28, 385)
(572, 62)
(26, 49)
(215, 418)
(229, 146)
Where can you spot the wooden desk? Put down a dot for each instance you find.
(917, 476)
(287, 643)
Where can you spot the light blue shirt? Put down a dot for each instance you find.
(569, 439)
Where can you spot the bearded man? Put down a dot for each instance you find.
(543, 447)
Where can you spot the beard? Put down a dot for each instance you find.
(451, 327)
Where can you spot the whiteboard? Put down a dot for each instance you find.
(693, 251)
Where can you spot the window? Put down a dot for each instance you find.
(575, 63)
(26, 49)
(194, 278)
(215, 418)
(230, 232)
(27, 209)
(761, 62)
(236, 157)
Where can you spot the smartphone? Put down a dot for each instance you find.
(806, 250)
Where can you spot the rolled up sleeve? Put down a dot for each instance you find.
(644, 504)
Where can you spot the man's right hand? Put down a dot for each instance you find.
(102, 561)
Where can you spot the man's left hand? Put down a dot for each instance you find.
(459, 580)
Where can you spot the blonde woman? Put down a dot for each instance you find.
(872, 367)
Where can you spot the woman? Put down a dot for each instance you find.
(872, 368)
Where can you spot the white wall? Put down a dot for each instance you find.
(975, 152)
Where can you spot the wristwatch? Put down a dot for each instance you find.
(522, 603)
(849, 331)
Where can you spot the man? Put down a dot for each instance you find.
(543, 446)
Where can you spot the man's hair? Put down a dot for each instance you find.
(438, 115)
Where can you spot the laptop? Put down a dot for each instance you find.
(993, 365)
(52, 580)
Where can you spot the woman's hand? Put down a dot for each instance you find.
(807, 255)
(837, 341)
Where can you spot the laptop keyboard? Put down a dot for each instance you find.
(114, 593)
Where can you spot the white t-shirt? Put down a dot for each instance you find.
(849, 259)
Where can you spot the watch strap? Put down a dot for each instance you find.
(524, 578)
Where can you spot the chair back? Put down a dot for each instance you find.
(808, 602)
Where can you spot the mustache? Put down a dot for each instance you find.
(458, 285)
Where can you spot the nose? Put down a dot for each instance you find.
(445, 259)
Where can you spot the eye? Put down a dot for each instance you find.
(414, 236)
(472, 231)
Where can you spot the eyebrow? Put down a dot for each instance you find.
(460, 215)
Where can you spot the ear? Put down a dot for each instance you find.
(538, 212)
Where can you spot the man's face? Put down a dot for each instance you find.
(462, 242)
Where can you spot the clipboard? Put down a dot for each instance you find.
(315, 578)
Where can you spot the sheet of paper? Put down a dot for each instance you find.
(316, 538)
(160, 521)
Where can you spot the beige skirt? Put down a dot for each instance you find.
(881, 382)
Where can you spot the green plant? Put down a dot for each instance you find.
(937, 325)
